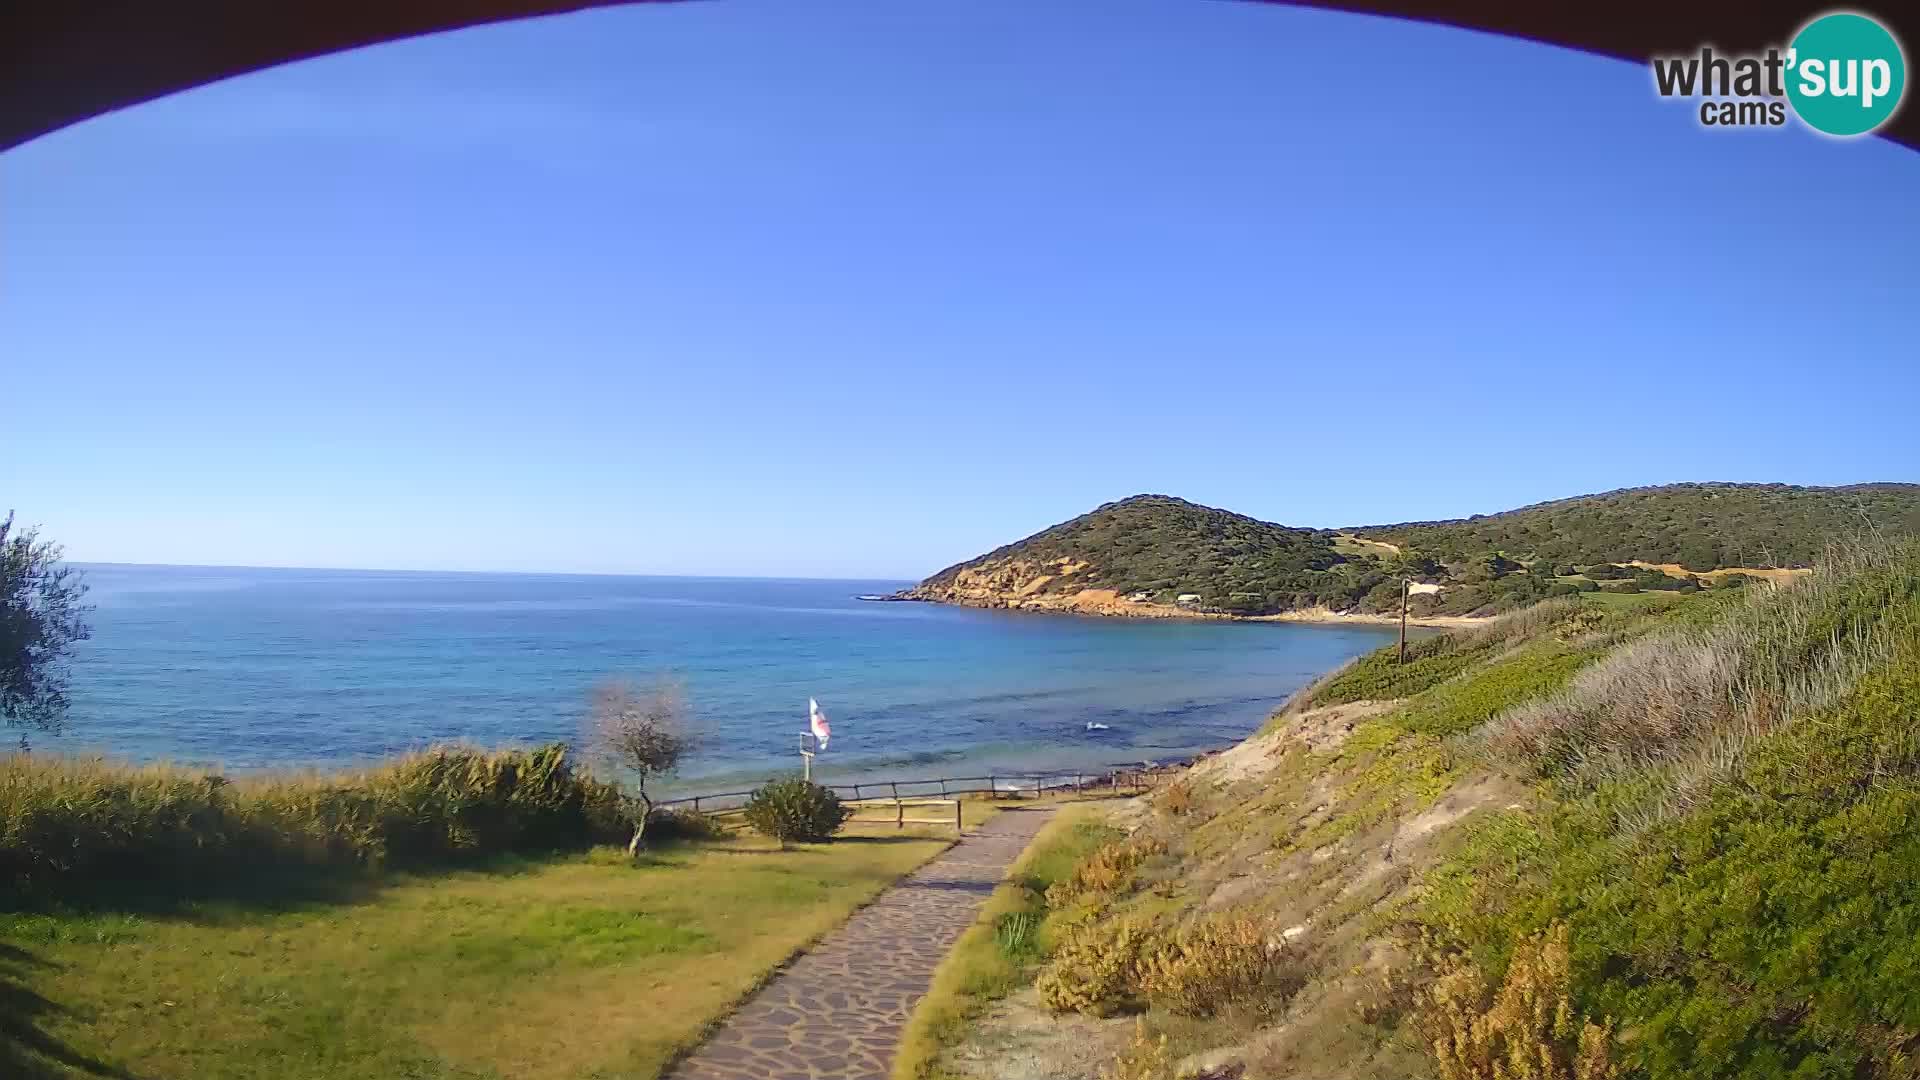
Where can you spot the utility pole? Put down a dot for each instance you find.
(1403, 620)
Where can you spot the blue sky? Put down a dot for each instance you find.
(862, 289)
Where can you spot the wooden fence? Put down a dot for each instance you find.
(943, 790)
(952, 813)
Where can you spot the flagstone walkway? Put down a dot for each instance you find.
(835, 1012)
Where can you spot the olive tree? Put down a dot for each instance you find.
(41, 617)
(642, 734)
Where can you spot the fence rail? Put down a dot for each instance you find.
(1136, 778)
(952, 813)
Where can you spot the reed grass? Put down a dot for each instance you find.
(1683, 704)
(67, 823)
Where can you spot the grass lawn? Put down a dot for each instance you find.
(584, 966)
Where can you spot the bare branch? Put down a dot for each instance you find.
(641, 733)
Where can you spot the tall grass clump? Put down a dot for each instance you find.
(69, 822)
(1684, 703)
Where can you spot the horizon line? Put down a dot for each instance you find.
(491, 573)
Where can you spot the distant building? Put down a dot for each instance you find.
(1139, 598)
(1187, 598)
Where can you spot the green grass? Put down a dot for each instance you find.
(1630, 601)
(997, 954)
(1465, 703)
(575, 966)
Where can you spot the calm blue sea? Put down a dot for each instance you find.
(248, 669)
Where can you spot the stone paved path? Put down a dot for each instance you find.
(836, 1012)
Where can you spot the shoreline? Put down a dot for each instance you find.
(1328, 617)
(1106, 608)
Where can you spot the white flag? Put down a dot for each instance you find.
(1421, 588)
(817, 720)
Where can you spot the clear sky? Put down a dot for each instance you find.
(835, 288)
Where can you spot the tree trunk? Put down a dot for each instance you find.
(640, 828)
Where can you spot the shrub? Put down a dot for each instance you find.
(796, 809)
(1176, 798)
(1526, 1030)
(1144, 1058)
(1097, 969)
(1105, 873)
(1218, 961)
(678, 825)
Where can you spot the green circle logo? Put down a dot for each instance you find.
(1845, 74)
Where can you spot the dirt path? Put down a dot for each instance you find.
(836, 1012)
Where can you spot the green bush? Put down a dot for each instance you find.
(796, 809)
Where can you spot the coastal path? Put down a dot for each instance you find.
(836, 1012)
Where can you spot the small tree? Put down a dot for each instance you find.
(41, 617)
(642, 734)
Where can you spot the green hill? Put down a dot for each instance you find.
(1574, 843)
(1143, 555)
(1699, 526)
(1155, 544)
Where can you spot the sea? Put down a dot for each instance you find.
(242, 669)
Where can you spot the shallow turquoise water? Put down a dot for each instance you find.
(246, 668)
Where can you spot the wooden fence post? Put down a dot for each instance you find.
(957, 826)
(899, 814)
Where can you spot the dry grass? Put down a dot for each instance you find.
(1774, 574)
(1684, 703)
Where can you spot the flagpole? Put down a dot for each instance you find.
(1403, 619)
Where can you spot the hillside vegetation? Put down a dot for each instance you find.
(1698, 526)
(1158, 555)
(1576, 843)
